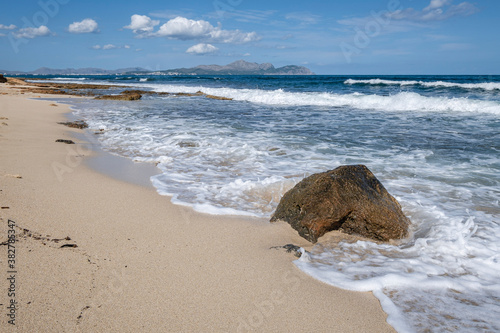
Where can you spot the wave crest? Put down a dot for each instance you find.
(403, 101)
(444, 84)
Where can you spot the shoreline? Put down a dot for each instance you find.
(140, 262)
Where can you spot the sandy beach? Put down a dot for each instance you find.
(98, 254)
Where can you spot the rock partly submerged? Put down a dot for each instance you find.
(134, 95)
(77, 89)
(80, 124)
(126, 95)
(68, 142)
(350, 199)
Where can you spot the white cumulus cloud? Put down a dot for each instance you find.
(183, 28)
(7, 27)
(437, 4)
(110, 47)
(141, 24)
(86, 26)
(31, 32)
(201, 49)
(186, 29)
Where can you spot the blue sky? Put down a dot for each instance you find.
(329, 37)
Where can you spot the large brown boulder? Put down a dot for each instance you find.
(350, 199)
(2, 79)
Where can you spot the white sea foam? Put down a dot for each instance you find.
(453, 264)
(444, 84)
(69, 79)
(404, 101)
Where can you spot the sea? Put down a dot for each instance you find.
(433, 141)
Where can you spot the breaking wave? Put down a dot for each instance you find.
(444, 84)
(403, 101)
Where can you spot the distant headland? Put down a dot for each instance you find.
(239, 67)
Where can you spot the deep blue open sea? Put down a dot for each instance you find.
(433, 141)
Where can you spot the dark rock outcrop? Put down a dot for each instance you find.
(2, 79)
(350, 199)
(289, 249)
(80, 124)
(68, 142)
(220, 98)
(127, 95)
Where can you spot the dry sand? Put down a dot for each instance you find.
(142, 264)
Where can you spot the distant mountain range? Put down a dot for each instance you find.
(239, 67)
